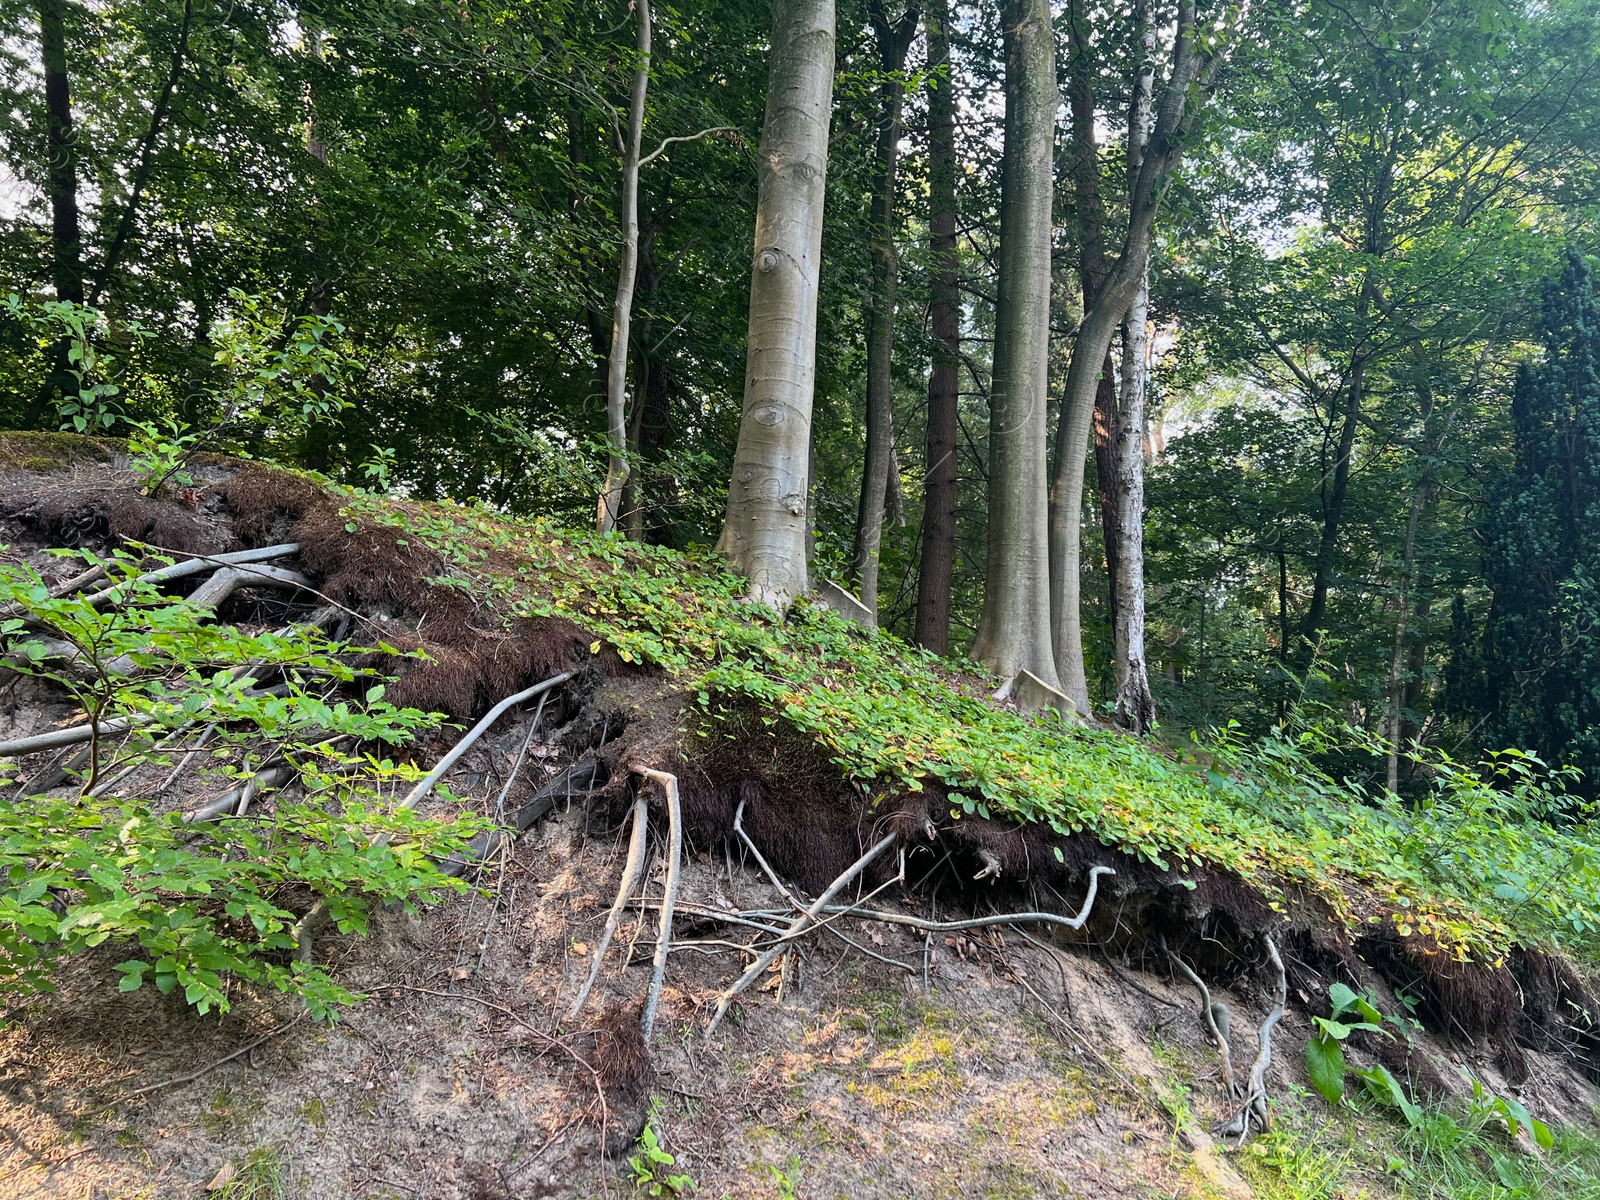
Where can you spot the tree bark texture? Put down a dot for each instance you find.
(610, 506)
(1095, 333)
(1135, 704)
(764, 535)
(1090, 214)
(939, 489)
(1014, 632)
(62, 150)
(894, 40)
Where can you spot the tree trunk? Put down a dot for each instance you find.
(1091, 221)
(1014, 632)
(944, 385)
(62, 148)
(1333, 507)
(765, 532)
(894, 40)
(1393, 723)
(610, 506)
(1136, 706)
(147, 149)
(1095, 333)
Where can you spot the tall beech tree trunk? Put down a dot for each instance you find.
(1135, 704)
(1090, 212)
(894, 40)
(1014, 632)
(764, 535)
(939, 490)
(1095, 333)
(610, 506)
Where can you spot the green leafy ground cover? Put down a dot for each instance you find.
(1473, 866)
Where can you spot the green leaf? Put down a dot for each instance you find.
(1385, 1088)
(1325, 1064)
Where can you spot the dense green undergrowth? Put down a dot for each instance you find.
(1473, 866)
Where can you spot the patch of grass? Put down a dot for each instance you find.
(1288, 1163)
(262, 1174)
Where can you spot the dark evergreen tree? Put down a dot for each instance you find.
(1542, 655)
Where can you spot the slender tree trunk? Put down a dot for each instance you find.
(893, 43)
(765, 532)
(1091, 221)
(1095, 333)
(939, 490)
(1136, 706)
(1014, 632)
(147, 149)
(1333, 505)
(1393, 720)
(610, 506)
(62, 149)
(61, 185)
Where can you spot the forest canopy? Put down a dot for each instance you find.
(1207, 363)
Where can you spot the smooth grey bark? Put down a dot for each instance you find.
(610, 506)
(1014, 632)
(1135, 703)
(1190, 73)
(764, 535)
(877, 471)
(939, 489)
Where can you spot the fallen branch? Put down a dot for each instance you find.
(630, 876)
(796, 928)
(225, 582)
(78, 582)
(1255, 1108)
(1208, 1016)
(192, 566)
(669, 784)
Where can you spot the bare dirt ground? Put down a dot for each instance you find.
(1012, 1071)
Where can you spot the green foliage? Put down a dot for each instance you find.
(259, 1175)
(94, 376)
(896, 718)
(158, 456)
(206, 905)
(652, 1165)
(1325, 1049)
(1540, 682)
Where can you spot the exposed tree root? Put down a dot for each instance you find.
(630, 876)
(1255, 1111)
(796, 927)
(1209, 1017)
(193, 566)
(669, 784)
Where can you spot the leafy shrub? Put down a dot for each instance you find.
(205, 905)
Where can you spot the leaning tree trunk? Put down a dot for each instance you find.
(1095, 333)
(1014, 632)
(893, 42)
(939, 490)
(610, 506)
(765, 532)
(1135, 706)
